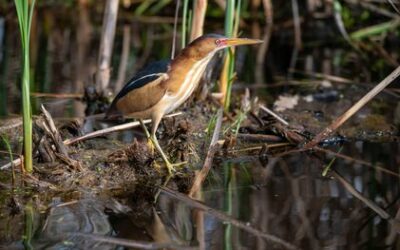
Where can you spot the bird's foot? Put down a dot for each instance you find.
(150, 146)
(171, 166)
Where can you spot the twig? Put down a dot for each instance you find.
(281, 120)
(131, 243)
(268, 146)
(52, 131)
(111, 130)
(15, 162)
(394, 6)
(222, 216)
(67, 203)
(365, 163)
(382, 213)
(214, 146)
(350, 112)
(259, 138)
(373, 8)
(58, 96)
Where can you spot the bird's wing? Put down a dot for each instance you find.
(148, 74)
(141, 92)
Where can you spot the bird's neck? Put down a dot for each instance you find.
(183, 67)
(185, 75)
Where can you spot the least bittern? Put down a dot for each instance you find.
(163, 86)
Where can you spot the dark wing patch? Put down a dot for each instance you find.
(148, 74)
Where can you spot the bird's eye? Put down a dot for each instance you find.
(220, 42)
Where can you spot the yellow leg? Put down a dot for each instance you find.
(156, 120)
(150, 143)
(170, 166)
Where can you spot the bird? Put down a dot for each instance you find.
(163, 86)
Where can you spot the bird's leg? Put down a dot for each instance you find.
(156, 121)
(170, 166)
(150, 143)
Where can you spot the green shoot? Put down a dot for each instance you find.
(9, 150)
(328, 167)
(24, 12)
(8, 147)
(211, 125)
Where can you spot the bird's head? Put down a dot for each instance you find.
(211, 43)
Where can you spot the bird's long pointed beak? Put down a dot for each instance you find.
(241, 41)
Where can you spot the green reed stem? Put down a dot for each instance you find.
(231, 26)
(29, 220)
(228, 28)
(24, 13)
(229, 17)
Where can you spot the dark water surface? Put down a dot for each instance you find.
(289, 198)
(285, 197)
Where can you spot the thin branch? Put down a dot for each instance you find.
(52, 131)
(259, 138)
(111, 130)
(382, 213)
(15, 163)
(277, 117)
(394, 6)
(58, 96)
(365, 163)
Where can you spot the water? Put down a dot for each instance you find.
(286, 197)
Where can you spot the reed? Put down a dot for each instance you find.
(198, 18)
(24, 12)
(184, 23)
(232, 16)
